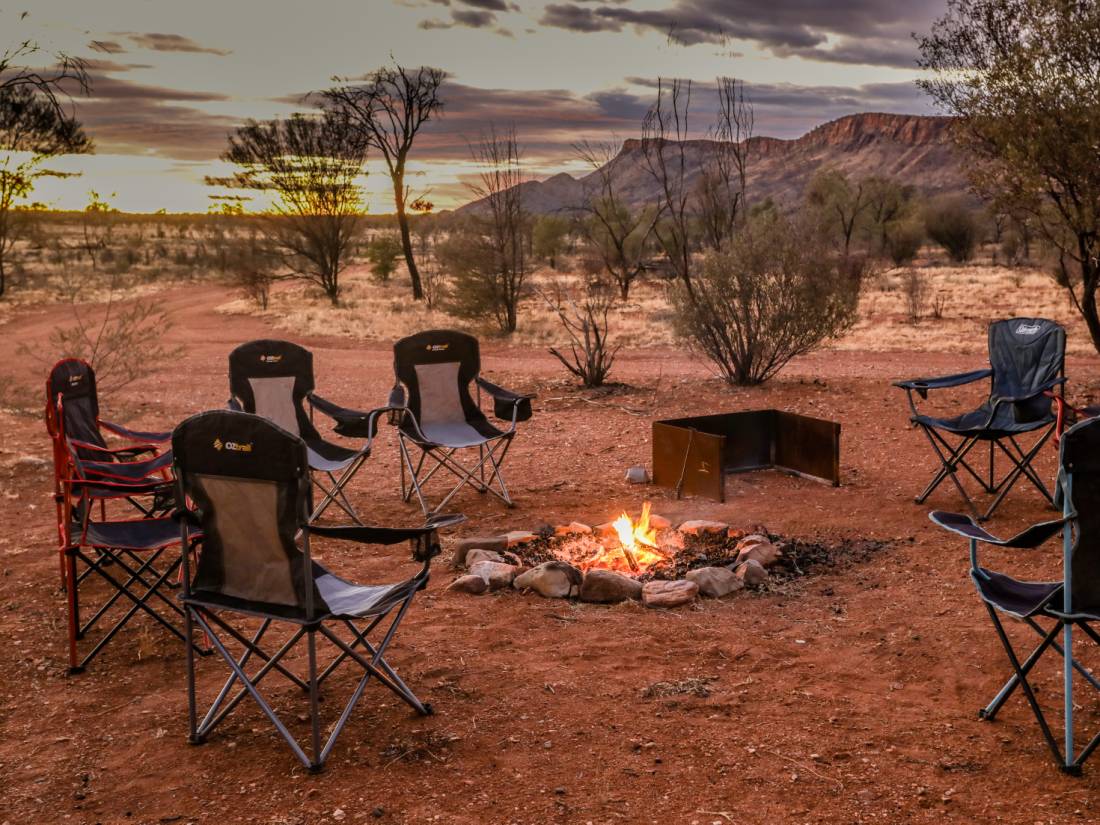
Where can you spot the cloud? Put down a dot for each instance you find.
(473, 18)
(866, 32)
(106, 46)
(160, 42)
(126, 117)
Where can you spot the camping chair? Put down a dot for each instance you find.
(249, 484)
(438, 416)
(128, 554)
(1072, 601)
(273, 379)
(1027, 361)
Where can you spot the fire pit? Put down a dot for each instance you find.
(645, 558)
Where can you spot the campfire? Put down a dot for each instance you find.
(646, 559)
(633, 549)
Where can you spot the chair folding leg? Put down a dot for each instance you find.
(1021, 675)
(480, 476)
(1022, 467)
(335, 493)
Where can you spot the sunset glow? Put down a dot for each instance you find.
(171, 80)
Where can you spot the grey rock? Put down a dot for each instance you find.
(637, 475)
(469, 584)
(697, 527)
(478, 554)
(551, 579)
(715, 582)
(669, 594)
(607, 587)
(751, 572)
(496, 544)
(497, 575)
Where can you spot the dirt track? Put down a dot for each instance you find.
(851, 698)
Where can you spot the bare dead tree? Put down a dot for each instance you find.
(311, 166)
(617, 233)
(488, 255)
(36, 123)
(722, 184)
(389, 110)
(664, 148)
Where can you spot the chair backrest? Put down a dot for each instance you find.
(1080, 457)
(249, 482)
(1025, 354)
(77, 416)
(272, 379)
(437, 367)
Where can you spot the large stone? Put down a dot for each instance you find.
(659, 522)
(496, 544)
(751, 572)
(478, 554)
(759, 549)
(669, 594)
(607, 587)
(698, 527)
(518, 537)
(637, 475)
(715, 582)
(551, 579)
(498, 576)
(605, 530)
(469, 584)
(574, 528)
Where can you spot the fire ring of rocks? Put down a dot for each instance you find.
(650, 560)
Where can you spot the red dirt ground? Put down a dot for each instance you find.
(850, 697)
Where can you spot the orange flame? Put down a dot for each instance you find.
(638, 541)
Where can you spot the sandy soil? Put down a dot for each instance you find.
(849, 698)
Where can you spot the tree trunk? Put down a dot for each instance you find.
(406, 236)
(1089, 282)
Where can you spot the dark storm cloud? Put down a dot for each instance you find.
(135, 118)
(873, 32)
(472, 18)
(160, 42)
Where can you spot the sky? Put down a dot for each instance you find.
(171, 79)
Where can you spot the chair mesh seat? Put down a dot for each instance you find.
(977, 423)
(140, 534)
(1018, 598)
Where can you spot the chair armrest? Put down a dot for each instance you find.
(135, 435)
(1030, 538)
(128, 470)
(923, 385)
(507, 405)
(1035, 393)
(105, 488)
(424, 540)
(114, 452)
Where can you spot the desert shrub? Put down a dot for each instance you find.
(549, 238)
(917, 289)
(954, 226)
(778, 291)
(584, 316)
(383, 251)
(252, 267)
(903, 240)
(487, 279)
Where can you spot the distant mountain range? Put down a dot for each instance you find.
(914, 149)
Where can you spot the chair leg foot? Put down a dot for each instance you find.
(1071, 770)
(316, 768)
(196, 739)
(428, 709)
(73, 671)
(985, 715)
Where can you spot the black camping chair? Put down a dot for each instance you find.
(439, 417)
(274, 379)
(1073, 601)
(250, 499)
(1027, 370)
(133, 556)
(73, 381)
